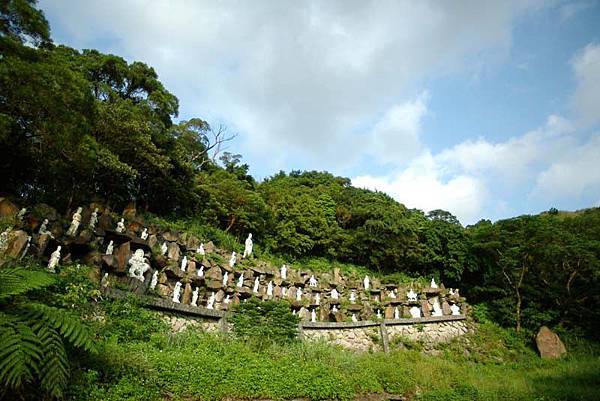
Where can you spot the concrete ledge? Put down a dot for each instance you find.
(424, 320)
(388, 322)
(338, 325)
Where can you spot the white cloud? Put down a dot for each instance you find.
(586, 98)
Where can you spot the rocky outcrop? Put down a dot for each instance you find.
(549, 344)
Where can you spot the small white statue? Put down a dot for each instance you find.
(293, 311)
(200, 250)
(354, 318)
(210, 304)
(317, 299)
(284, 272)
(248, 247)
(44, 228)
(256, 286)
(392, 294)
(433, 283)
(299, 294)
(195, 297)
(415, 312)
(456, 294)
(225, 279)
(104, 282)
(378, 313)
(227, 299)
(120, 226)
(411, 295)
(232, 260)
(312, 281)
(138, 265)
(93, 220)
(353, 296)
(451, 292)
(270, 289)
(26, 247)
(144, 234)
(154, 280)
(396, 313)
(184, 263)
(201, 271)
(366, 282)
(283, 291)
(75, 223)
(21, 214)
(335, 294)
(455, 310)
(164, 248)
(313, 316)
(54, 260)
(177, 292)
(240, 282)
(110, 248)
(437, 310)
(334, 309)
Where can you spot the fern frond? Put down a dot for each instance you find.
(15, 280)
(67, 325)
(54, 371)
(20, 352)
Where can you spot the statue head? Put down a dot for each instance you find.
(45, 221)
(79, 209)
(96, 210)
(139, 253)
(58, 248)
(250, 235)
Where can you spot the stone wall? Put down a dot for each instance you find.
(362, 337)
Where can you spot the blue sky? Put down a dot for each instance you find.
(485, 109)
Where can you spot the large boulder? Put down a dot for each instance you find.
(7, 208)
(17, 241)
(549, 344)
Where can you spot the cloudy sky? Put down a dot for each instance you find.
(486, 109)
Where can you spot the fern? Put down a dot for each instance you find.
(15, 281)
(20, 351)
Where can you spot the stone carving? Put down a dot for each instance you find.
(248, 247)
(335, 294)
(201, 271)
(415, 312)
(200, 250)
(437, 309)
(299, 294)
(72, 231)
(396, 313)
(455, 309)
(549, 344)
(227, 299)
(317, 299)
(210, 304)
(283, 291)
(177, 292)
(379, 314)
(21, 214)
(334, 309)
(313, 315)
(256, 286)
(93, 220)
(433, 283)
(154, 280)
(54, 260)
(120, 226)
(312, 281)
(184, 263)
(366, 282)
(164, 248)
(411, 295)
(110, 248)
(144, 234)
(270, 289)
(392, 294)
(225, 279)
(354, 318)
(44, 228)
(232, 260)
(195, 297)
(104, 282)
(451, 292)
(284, 272)
(456, 294)
(240, 282)
(138, 265)
(353, 296)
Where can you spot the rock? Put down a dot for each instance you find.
(42, 243)
(44, 211)
(93, 258)
(106, 222)
(173, 252)
(549, 344)
(122, 255)
(446, 308)
(17, 241)
(214, 284)
(163, 290)
(187, 294)
(7, 208)
(209, 247)
(152, 241)
(170, 236)
(129, 212)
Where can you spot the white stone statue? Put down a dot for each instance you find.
(334, 309)
(210, 304)
(227, 299)
(284, 272)
(164, 248)
(378, 313)
(313, 315)
(415, 312)
(256, 285)
(411, 295)
(354, 318)
(456, 294)
(317, 299)
(233, 259)
(120, 226)
(184, 263)
(177, 292)
(248, 247)
(392, 294)
(270, 289)
(353, 296)
(72, 231)
(138, 265)
(240, 282)
(455, 309)
(21, 214)
(433, 283)
(144, 234)
(201, 271)
(200, 250)
(396, 313)
(54, 260)
(283, 291)
(335, 294)
(225, 279)
(366, 282)
(293, 311)
(154, 280)
(195, 297)
(299, 294)
(312, 281)
(110, 248)
(104, 281)
(437, 309)
(44, 228)
(26, 247)
(93, 220)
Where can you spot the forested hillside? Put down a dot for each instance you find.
(78, 126)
